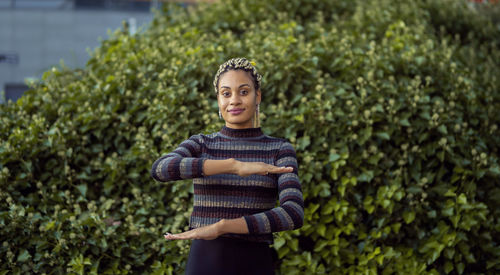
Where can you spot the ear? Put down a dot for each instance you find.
(258, 96)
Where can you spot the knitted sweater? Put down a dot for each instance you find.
(229, 196)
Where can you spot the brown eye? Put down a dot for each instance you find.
(244, 92)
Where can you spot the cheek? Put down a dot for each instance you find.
(222, 104)
(251, 102)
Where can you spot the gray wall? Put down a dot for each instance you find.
(41, 37)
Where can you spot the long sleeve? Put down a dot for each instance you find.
(290, 214)
(182, 163)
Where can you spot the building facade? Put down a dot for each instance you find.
(36, 35)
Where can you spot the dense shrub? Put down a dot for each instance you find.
(392, 106)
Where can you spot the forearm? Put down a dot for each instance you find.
(236, 226)
(171, 168)
(215, 167)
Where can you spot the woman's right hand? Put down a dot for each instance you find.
(244, 169)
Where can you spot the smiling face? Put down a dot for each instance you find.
(237, 99)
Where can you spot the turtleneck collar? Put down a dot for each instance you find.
(241, 133)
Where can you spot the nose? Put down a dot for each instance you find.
(235, 99)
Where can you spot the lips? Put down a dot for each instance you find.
(236, 111)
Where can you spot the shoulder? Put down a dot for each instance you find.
(281, 144)
(271, 138)
(287, 150)
(286, 145)
(202, 138)
(286, 155)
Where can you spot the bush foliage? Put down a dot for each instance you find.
(393, 108)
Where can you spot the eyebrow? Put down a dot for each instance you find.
(242, 85)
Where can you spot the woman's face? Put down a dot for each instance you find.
(237, 99)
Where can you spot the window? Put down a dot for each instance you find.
(13, 91)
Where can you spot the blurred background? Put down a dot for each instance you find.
(38, 34)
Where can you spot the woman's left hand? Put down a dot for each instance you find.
(208, 232)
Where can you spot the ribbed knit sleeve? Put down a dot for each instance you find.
(290, 214)
(182, 163)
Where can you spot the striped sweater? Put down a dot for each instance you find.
(228, 196)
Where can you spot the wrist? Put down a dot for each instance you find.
(221, 227)
(235, 166)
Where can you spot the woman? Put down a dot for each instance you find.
(238, 174)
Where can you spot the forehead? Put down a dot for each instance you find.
(235, 78)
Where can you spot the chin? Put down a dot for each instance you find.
(237, 121)
(240, 121)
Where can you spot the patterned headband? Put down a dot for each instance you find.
(239, 63)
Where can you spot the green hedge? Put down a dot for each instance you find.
(393, 108)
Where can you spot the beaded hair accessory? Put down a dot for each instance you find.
(239, 63)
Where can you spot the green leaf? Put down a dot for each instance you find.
(320, 245)
(321, 230)
(395, 227)
(83, 189)
(450, 193)
(405, 122)
(440, 155)
(409, 216)
(366, 176)
(304, 142)
(495, 170)
(279, 242)
(345, 180)
(340, 92)
(50, 225)
(419, 60)
(341, 190)
(365, 134)
(370, 208)
(23, 256)
(462, 199)
(442, 129)
(460, 267)
(283, 251)
(294, 244)
(333, 157)
(448, 211)
(383, 135)
(133, 175)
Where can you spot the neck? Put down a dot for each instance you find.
(241, 132)
(240, 126)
